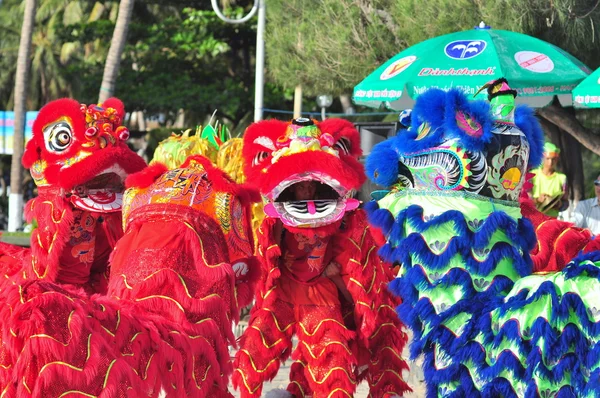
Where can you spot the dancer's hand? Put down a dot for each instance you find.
(542, 198)
(333, 269)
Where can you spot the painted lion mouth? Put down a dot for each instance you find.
(331, 201)
(442, 168)
(103, 193)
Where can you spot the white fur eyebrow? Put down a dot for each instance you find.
(265, 141)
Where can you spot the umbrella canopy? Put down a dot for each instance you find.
(587, 93)
(536, 69)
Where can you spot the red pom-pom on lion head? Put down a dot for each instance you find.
(81, 151)
(308, 172)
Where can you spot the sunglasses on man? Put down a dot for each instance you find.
(597, 183)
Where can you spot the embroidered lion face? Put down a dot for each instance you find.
(81, 152)
(307, 172)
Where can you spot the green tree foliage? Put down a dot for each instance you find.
(324, 45)
(179, 55)
(53, 53)
(191, 61)
(330, 45)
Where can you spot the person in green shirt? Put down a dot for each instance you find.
(550, 192)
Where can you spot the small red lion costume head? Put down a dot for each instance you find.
(81, 152)
(279, 156)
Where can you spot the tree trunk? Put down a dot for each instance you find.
(570, 156)
(567, 122)
(15, 201)
(141, 120)
(180, 119)
(113, 60)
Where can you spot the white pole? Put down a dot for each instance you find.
(15, 211)
(15, 199)
(298, 101)
(259, 82)
(217, 11)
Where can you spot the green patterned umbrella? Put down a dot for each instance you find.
(536, 69)
(587, 93)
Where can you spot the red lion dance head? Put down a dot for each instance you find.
(279, 156)
(307, 173)
(80, 152)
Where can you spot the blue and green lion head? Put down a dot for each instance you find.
(457, 144)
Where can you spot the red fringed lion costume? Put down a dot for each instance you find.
(347, 332)
(163, 321)
(79, 159)
(558, 242)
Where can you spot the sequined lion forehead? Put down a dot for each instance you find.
(65, 126)
(103, 123)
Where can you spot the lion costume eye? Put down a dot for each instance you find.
(343, 145)
(58, 137)
(259, 157)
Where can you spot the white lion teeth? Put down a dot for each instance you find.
(299, 210)
(88, 203)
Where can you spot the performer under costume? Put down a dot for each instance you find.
(164, 324)
(79, 159)
(322, 279)
(487, 325)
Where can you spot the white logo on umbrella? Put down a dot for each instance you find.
(397, 67)
(465, 49)
(534, 61)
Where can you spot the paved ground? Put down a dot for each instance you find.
(415, 380)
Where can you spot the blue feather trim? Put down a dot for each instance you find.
(581, 264)
(381, 165)
(547, 352)
(414, 248)
(562, 307)
(568, 350)
(379, 218)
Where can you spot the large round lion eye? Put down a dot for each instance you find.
(58, 136)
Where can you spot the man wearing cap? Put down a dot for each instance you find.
(550, 192)
(587, 213)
